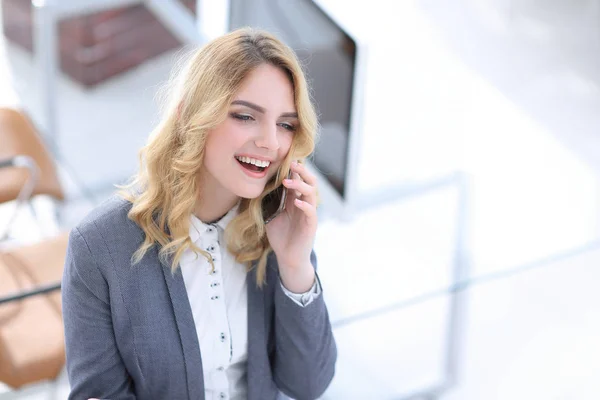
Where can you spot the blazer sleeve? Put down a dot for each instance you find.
(94, 365)
(305, 354)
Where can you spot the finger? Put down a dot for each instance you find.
(304, 173)
(307, 192)
(309, 210)
(296, 178)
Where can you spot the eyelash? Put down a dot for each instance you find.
(242, 117)
(248, 118)
(287, 126)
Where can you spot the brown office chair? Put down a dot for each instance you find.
(31, 328)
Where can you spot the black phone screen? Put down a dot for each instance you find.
(273, 203)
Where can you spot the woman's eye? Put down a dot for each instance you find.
(287, 126)
(242, 117)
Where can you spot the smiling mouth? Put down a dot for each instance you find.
(252, 164)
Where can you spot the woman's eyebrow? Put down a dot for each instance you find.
(290, 115)
(262, 109)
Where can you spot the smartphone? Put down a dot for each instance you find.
(274, 203)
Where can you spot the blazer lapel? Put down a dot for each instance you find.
(187, 332)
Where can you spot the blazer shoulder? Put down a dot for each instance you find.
(110, 214)
(106, 235)
(109, 224)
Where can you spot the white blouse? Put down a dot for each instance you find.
(219, 305)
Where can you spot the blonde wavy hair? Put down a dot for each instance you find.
(165, 189)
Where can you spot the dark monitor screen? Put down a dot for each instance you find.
(328, 56)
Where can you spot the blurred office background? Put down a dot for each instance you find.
(459, 242)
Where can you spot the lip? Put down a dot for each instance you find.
(252, 174)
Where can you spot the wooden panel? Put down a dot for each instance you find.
(97, 46)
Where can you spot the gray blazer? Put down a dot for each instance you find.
(130, 332)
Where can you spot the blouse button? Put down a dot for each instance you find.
(223, 337)
(214, 297)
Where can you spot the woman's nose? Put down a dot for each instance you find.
(268, 139)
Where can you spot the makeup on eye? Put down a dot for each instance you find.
(289, 127)
(242, 117)
(260, 109)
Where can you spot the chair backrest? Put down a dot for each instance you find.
(18, 136)
(32, 344)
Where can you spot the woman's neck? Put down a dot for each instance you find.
(214, 201)
(209, 214)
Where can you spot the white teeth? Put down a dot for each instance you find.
(258, 163)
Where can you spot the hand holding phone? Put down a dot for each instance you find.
(292, 237)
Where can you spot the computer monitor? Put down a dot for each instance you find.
(329, 57)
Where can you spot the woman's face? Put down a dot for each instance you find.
(246, 150)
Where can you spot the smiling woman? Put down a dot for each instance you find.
(145, 316)
(256, 136)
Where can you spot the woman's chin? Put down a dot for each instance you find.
(249, 193)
